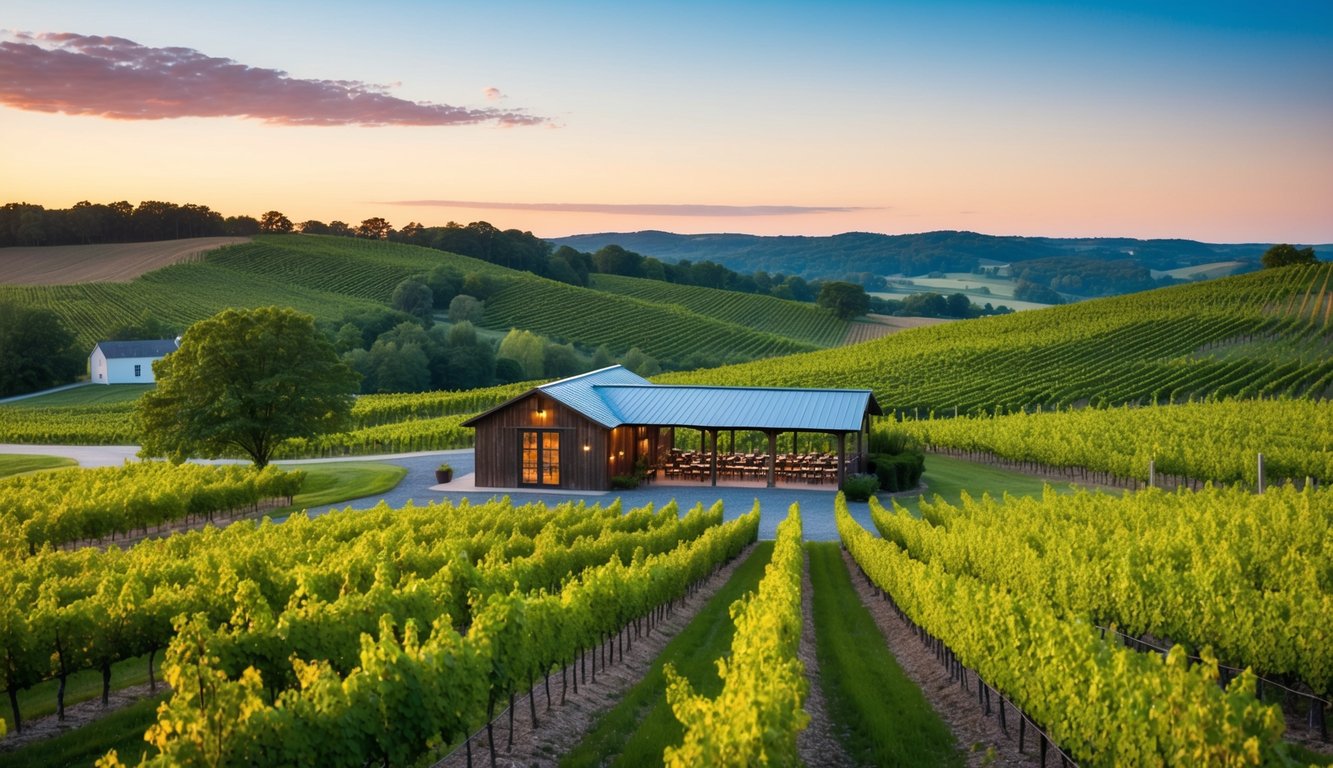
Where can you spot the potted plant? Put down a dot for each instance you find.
(443, 474)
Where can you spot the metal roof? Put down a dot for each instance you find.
(614, 396)
(815, 410)
(580, 393)
(139, 348)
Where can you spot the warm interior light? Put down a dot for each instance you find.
(587, 447)
(622, 453)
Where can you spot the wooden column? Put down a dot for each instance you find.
(842, 456)
(712, 469)
(772, 458)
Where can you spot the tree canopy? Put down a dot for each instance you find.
(36, 350)
(846, 300)
(244, 380)
(1283, 255)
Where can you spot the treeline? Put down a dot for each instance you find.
(87, 223)
(1087, 277)
(955, 305)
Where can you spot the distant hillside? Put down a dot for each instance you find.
(916, 254)
(326, 276)
(1263, 334)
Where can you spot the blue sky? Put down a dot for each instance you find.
(1210, 121)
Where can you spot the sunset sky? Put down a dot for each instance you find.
(1211, 121)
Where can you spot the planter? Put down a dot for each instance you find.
(443, 476)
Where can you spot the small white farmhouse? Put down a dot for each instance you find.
(127, 362)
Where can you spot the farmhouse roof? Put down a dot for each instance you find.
(137, 348)
(616, 396)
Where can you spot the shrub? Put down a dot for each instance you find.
(860, 487)
(899, 472)
(624, 482)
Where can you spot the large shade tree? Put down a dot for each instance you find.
(36, 350)
(1284, 255)
(245, 380)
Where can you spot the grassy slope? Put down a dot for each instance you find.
(881, 716)
(1165, 345)
(792, 319)
(343, 481)
(641, 725)
(18, 464)
(93, 394)
(325, 276)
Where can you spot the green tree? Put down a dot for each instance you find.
(415, 298)
(273, 222)
(36, 350)
(846, 300)
(527, 349)
(464, 308)
(1284, 255)
(245, 380)
(374, 228)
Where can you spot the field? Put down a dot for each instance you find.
(1209, 271)
(109, 263)
(326, 276)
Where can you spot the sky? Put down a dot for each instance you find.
(1210, 121)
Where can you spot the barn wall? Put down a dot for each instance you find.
(97, 367)
(121, 370)
(498, 441)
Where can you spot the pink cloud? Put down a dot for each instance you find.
(492, 94)
(120, 79)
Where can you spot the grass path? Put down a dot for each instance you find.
(18, 463)
(882, 717)
(635, 731)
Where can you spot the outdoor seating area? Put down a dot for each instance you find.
(814, 469)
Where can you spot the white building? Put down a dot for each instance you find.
(127, 362)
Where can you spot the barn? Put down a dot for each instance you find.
(579, 433)
(127, 362)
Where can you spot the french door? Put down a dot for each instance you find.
(539, 458)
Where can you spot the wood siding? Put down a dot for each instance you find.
(498, 463)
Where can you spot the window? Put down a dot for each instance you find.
(138, 371)
(539, 459)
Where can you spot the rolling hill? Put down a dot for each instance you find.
(325, 276)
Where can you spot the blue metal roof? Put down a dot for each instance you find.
(614, 396)
(113, 350)
(816, 410)
(579, 392)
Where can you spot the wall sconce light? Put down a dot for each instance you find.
(541, 412)
(622, 453)
(587, 447)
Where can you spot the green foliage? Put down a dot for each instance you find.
(413, 297)
(1284, 255)
(18, 464)
(882, 714)
(781, 317)
(844, 300)
(36, 350)
(860, 487)
(1105, 704)
(897, 472)
(756, 717)
(1149, 347)
(466, 309)
(527, 349)
(245, 380)
(624, 482)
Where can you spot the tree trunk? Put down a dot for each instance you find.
(106, 682)
(14, 707)
(60, 698)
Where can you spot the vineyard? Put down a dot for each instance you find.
(1294, 436)
(1173, 345)
(1096, 701)
(294, 628)
(801, 321)
(665, 331)
(1142, 563)
(55, 508)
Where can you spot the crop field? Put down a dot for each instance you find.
(797, 320)
(102, 263)
(1152, 347)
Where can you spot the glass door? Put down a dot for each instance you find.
(539, 457)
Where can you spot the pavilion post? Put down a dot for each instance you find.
(712, 469)
(772, 458)
(860, 453)
(842, 456)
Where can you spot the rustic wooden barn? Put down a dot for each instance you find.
(579, 432)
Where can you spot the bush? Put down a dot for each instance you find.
(898, 472)
(624, 482)
(860, 487)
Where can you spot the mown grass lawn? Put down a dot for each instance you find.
(880, 715)
(342, 481)
(636, 731)
(17, 463)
